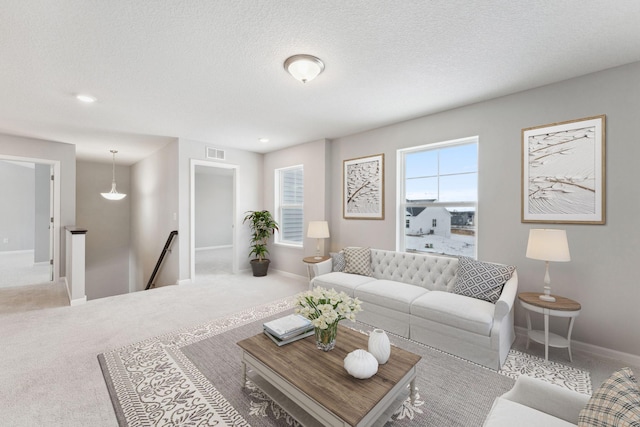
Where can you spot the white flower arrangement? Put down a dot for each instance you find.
(327, 307)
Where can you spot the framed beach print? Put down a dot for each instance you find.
(363, 188)
(563, 172)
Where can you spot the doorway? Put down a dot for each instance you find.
(28, 222)
(213, 213)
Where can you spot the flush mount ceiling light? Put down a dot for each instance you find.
(113, 194)
(265, 140)
(88, 99)
(304, 67)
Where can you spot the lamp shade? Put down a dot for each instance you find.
(318, 230)
(548, 245)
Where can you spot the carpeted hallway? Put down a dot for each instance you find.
(49, 373)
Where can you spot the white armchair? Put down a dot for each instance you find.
(533, 403)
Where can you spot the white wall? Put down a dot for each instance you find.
(317, 199)
(108, 231)
(17, 214)
(601, 274)
(214, 210)
(154, 214)
(249, 196)
(17, 146)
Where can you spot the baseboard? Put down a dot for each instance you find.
(19, 252)
(76, 301)
(629, 358)
(214, 247)
(292, 275)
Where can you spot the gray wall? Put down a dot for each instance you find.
(600, 275)
(17, 211)
(317, 199)
(154, 214)
(107, 222)
(48, 150)
(42, 217)
(213, 207)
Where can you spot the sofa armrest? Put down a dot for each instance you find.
(551, 399)
(323, 267)
(507, 298)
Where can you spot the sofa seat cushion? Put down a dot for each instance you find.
(506, 413)
(386, 293)
(341, 281)
(454, 310)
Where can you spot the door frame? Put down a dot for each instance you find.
(55, 196)
(192, 211)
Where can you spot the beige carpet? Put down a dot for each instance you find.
(48, 370)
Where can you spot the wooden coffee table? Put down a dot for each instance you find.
(314, 388)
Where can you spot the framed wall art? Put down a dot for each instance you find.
(563, 172)
(363, 188)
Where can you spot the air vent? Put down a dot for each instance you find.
(214, 153)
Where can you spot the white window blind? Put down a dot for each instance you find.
(290, 209)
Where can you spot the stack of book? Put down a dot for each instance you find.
(288, 329)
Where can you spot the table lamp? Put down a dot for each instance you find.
(318, 230)
(548, 245)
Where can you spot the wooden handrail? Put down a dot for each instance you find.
(150, 283)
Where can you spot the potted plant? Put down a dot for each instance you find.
(262, 227)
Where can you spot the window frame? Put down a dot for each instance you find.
(402, 205)
(278, 238)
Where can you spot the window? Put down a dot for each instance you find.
(289, 199)
(439, 197)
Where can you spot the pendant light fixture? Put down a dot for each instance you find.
(113, 194)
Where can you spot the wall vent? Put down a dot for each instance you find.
(214, 153)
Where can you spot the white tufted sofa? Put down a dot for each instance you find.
(411, 295)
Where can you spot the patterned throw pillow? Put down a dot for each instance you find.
(615, 403)
(338, 262)
(358, 261)
(481, 280)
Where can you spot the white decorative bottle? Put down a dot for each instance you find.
(379, 346)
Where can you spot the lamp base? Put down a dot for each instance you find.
(317, 257)
(547, 298)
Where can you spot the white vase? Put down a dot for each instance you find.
(379, 346)
(361, 364)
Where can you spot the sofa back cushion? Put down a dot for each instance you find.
(435, 273)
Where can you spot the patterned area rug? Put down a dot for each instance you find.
(193, 377)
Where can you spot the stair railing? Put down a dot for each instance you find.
(167, 245)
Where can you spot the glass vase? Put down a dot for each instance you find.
(326, 338)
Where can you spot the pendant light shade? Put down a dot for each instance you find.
(113, 194)
(304, 67)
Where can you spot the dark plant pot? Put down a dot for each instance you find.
(259, 267)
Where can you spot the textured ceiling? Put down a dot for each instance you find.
(212, 70)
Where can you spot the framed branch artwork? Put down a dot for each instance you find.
(563, 172)
(363, 188)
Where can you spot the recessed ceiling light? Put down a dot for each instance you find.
(263, 139)
(86, 98)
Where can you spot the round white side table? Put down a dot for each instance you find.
(562, 307)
